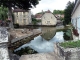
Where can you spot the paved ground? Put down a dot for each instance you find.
(20, 33)
(41, 56)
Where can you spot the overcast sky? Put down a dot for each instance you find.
(50, 5)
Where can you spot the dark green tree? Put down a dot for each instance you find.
(67, 12)
(22, 4)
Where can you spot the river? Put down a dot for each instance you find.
(42, 45)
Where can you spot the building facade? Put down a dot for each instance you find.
(48, 19)
(22, 17)
(76, 18)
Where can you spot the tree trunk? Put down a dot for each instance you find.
(10, 17)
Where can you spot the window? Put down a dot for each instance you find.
(78, 23)
(17, 14)
(48, 22)
(23, 14)
(24, 21)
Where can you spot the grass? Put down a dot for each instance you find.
(71, 44)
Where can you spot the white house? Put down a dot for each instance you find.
(48, 19)
(22, 17)
(76, 18)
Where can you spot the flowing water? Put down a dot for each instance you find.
(41, 45)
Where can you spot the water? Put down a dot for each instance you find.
(41, 45)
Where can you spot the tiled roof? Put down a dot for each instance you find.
(20, 10)
(38, 15)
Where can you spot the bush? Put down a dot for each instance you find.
(67, 35)
(35, 21)
(16, 25)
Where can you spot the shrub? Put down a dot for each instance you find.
(68, 35)
(26, 50)
(16, 25)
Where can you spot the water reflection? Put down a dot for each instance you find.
(41, 45)
(48, 32)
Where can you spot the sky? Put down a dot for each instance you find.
(50, 5)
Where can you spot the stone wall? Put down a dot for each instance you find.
(69, 53)
(3, 44)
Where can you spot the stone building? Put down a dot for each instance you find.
(76, 18)
(22, 17)
(48, 18)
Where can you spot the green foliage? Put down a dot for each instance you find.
(26, 50)
(3, 13)
(71, 44)
(22, 4)
(58, 12)
(35, 21)
(67, 35)
(67, 13)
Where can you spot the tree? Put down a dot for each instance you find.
(3, 13)
(22, 4)
(58, 12)
(67, 12)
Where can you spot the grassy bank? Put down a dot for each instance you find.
(71, 44)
